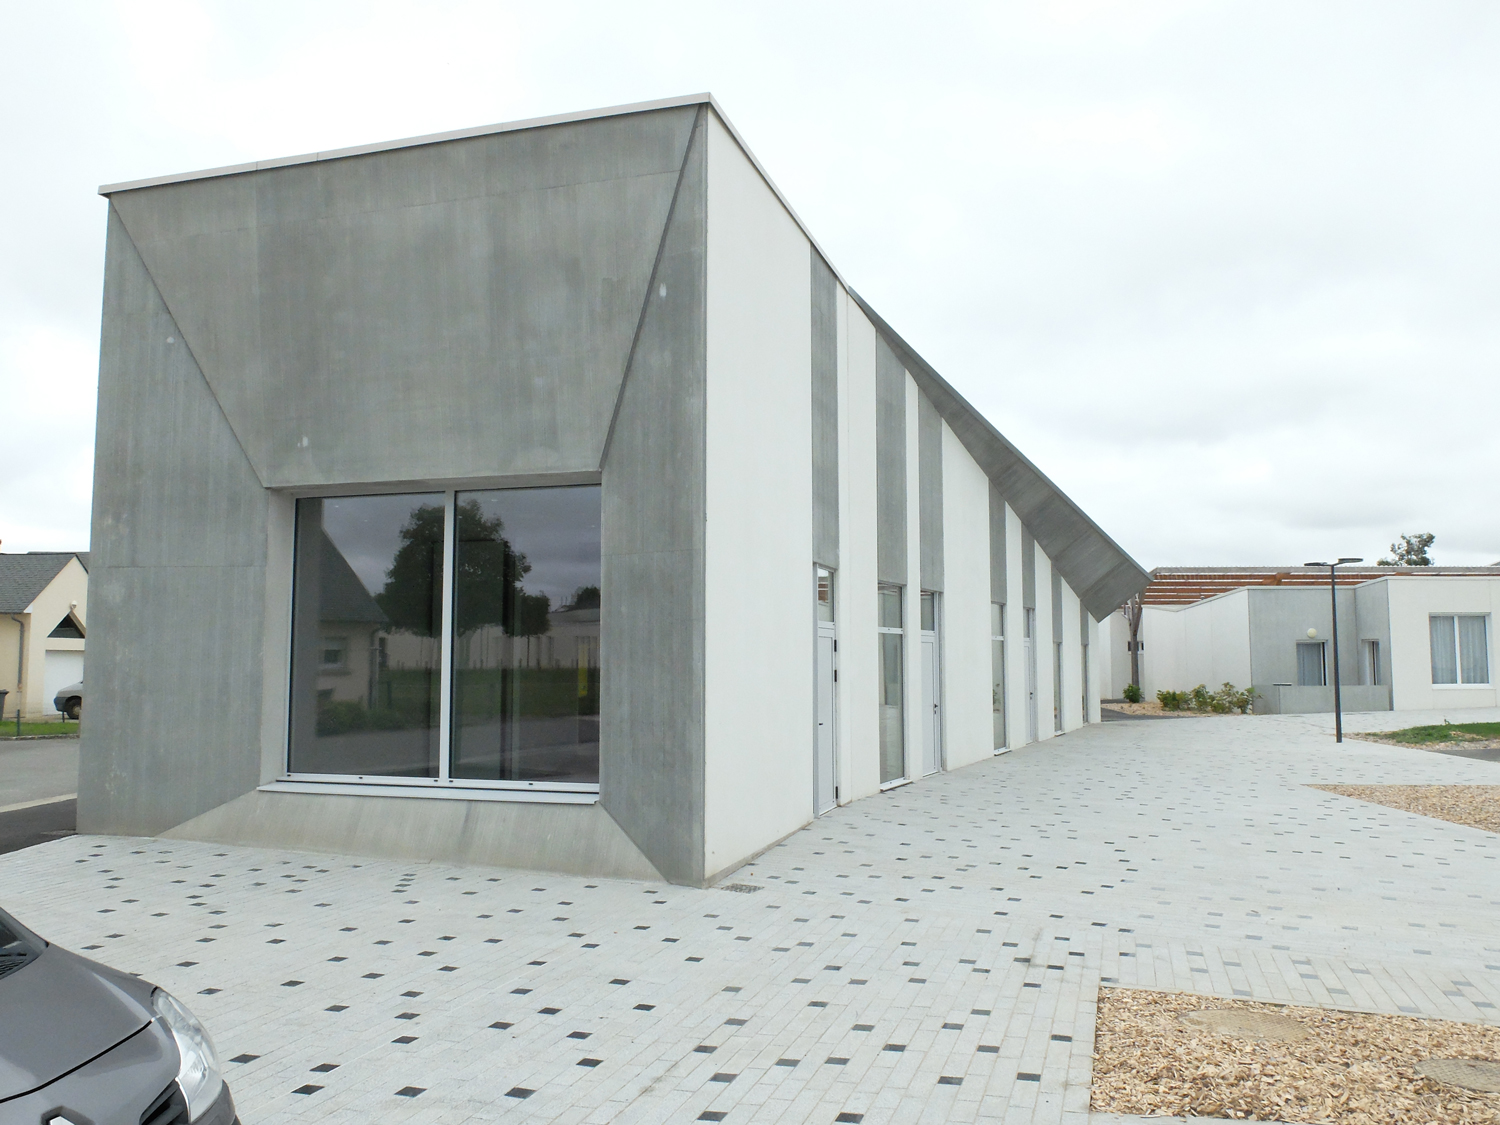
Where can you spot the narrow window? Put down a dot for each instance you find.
(1473, 651)
(1460, 649)
(1311, 669)
(526, 635)
(1372, 662)
(366, 629)
(997, 673)
(892, 686)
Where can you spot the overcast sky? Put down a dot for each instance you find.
(1227, 272)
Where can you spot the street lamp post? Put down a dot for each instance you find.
(1333, 594)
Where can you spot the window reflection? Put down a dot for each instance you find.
(526, 635)
(366, 622)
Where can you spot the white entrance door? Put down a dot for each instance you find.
(825, 793)
(1030, 658)
(932, 689)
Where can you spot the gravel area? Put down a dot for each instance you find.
(1155, 709)
(1351, 1068)
(1477, 806)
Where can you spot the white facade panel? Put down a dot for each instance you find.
(912, 602)
(758, 578)
(1016, 722)
(1073, 711)
(1042, 644)
(1413, 602)
(857, 580)
(966, 606)
(1207, 643)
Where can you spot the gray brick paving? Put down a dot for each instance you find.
(933, 954)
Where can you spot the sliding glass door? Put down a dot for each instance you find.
(448, 638)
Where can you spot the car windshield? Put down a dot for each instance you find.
(17, 947)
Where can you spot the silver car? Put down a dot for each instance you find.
(84, 1044)
(69, 700)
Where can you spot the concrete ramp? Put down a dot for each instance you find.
(571, 839)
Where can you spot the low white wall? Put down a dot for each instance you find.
(1207, 642)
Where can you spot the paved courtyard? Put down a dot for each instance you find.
(929, 955)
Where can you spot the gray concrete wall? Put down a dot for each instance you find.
(651, 703)
(463, 313)
(825, 412)
(890, 465)
(1280, 617)
(1057, 610)
(930, 492)
(997, 546)
(1319, 700)
(1372, 610)
(573, 839)
(177, 577)
(1028, 570)
(455, 310)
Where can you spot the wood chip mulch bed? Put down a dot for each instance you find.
(1477, 806)
(1351, 1068)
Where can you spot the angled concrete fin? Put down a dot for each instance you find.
(415, 314)
(652, 739)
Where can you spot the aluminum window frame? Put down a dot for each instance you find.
(1460, 684)
(562, 792)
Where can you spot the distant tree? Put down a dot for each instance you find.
(1411, 550)
(488, 577)
(585, 597)
(414, 582)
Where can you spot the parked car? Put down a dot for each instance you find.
(85, 1044)
(69, 700)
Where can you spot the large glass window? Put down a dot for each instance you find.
(1460, 649)
(366, 636)
(526, 635)
(892, 686)
(477, 664)
(997, 672)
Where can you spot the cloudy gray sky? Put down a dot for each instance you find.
(1227, 272)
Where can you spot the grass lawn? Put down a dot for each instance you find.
(1443, 732)
(8, 728)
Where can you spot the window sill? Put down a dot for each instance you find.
(897, 784)
(1461, 687)
(454, 792)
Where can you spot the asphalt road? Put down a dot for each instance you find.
(21, 828)
(41, 774)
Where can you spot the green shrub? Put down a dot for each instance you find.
(1200, 699)
(1230, 698)
(1132, 693)
(1171, 700)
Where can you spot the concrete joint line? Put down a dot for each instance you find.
(38, 803)
(661, 249)
(193, 355)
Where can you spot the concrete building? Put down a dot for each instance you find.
(539, 495)
(44, 606)
(1410, 638)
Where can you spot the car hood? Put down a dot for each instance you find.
(60, 1011)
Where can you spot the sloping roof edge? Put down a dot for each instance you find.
(1102, 574)
(1093, 564)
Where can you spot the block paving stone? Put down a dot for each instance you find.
(930, 954)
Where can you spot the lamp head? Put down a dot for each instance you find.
(1312, 634)
(1341, 562)
(1315, 564)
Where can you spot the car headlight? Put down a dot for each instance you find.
(199, 1074)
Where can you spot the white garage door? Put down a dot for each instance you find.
(63, 668)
